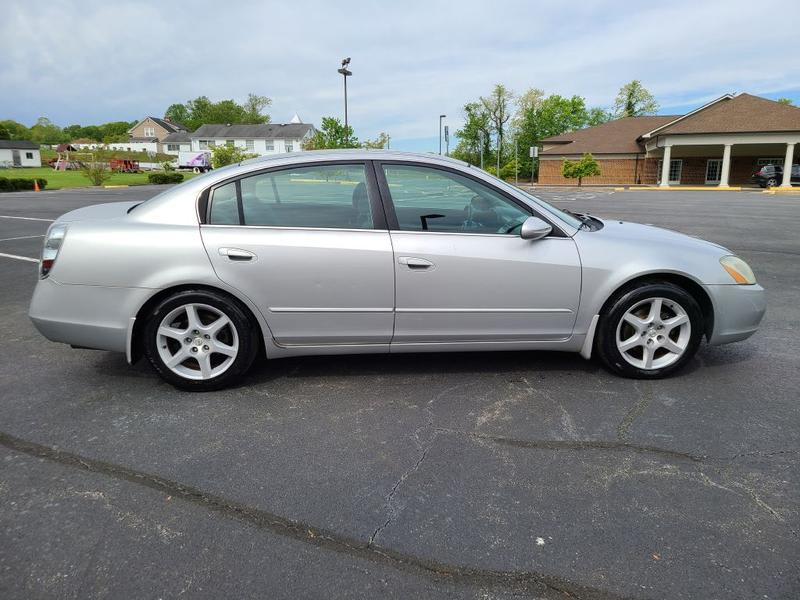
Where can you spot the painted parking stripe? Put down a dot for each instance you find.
(22, 237)
(14, 256)
(27, 218)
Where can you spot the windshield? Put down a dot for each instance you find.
(560, 214)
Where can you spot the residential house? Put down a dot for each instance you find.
(180, 141)
(270, 138)
(721, 143)
(147, 135)
(19, 153)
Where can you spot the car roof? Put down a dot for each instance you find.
(351, 154)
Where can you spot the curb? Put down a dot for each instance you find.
(111, 187)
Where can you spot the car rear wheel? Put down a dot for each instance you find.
(772, 182)
(200, 340)
(650, 331)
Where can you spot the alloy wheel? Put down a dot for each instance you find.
(653, 333)
(197, 341)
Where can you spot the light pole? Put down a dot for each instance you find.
(481, 137)
(345, 73)
(440, 132)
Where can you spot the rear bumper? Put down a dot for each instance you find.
(738, 310)
(85, 315)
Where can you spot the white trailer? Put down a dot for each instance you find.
(199, 162)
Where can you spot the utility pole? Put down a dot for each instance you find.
(388, 141)
(516, 162)
(440, 132)
(344, 72)
(446, 140)
(499, 145)
(481, 134)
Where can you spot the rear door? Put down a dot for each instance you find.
(309, 246)
(463, 273)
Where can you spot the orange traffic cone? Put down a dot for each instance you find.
(36, 185)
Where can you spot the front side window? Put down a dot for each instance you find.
(29, 155)
(149, 132)
(270, 146)
(173, 147)
(324, 196)
(250, 145)
(427, 199)
(203, 144)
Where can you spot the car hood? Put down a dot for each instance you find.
(650, 234)
(111, 210)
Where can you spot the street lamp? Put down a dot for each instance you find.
(440, 132)
(345, 73)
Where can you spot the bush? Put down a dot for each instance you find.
(20, 185)
(228, 155)
(161, 178)
(509, 170)
(97, 172)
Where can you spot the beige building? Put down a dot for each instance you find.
(719, 144)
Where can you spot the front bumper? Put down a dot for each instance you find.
(738, 310)
(85, 315)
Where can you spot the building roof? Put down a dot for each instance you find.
(18, 145)
(744, 113)
(170, 126)
(614, 137)
(242, 131)
(179, 137)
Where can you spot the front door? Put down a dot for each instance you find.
(308, 245)
(713, 170)
(15, 158)
(463, 273)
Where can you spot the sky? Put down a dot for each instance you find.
(90, 62)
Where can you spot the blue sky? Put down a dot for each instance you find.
(93, 61)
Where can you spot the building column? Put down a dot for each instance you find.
(665, 166)
(787, 166)
(726, 166)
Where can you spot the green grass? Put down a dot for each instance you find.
(60, 180)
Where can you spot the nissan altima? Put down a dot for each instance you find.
(336, 252)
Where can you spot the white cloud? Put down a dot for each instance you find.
(92, 61)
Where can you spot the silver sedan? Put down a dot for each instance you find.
(375, 251)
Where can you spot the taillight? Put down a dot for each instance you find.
(52, 243)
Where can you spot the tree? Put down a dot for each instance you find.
(476, 128)
(46, 132)
(787, 101)
(498, 109)
(378, 143)
(228, 155)
(202, 110)
(598, 116)
(17, 131)
(96, 171)
(634, 100)
(332, 134)
(5, 134)
(578, 169)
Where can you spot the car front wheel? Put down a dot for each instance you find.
(200, 340)
(650, 331)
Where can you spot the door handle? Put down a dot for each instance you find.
(237, 254)
(414, 263)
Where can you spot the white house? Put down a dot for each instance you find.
(180, 141)
(19, 153)
(271, 138)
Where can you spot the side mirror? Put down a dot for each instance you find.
(534, 229)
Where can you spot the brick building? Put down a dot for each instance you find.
(721, 143)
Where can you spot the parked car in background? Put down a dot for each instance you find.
(772, 175)
(347, 252)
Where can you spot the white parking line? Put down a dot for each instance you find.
(22, 237)
(25, 258)
(27, 218)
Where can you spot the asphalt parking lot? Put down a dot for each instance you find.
(505, 475)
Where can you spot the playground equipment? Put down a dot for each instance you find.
(124, 165)
(65, 163)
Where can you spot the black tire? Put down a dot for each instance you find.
(606, 337)
(246, 330)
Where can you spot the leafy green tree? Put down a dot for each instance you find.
(634, 100)
(578, 169)
(115, 131)
(787, 101)
(228, 155)
(332, 134)
(254, 108)
(177, 113)
(476, 128)
(378, 143)
(5, 134)
(598, 116)
(498, 106)
(46, 132)
(202, 110)
(17, 131)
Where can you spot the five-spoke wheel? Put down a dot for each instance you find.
(200, 340)
(649, 330)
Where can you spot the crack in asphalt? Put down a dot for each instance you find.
(528, 582)
(635, 411)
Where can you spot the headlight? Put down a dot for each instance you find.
(52, 243)
(738, 269)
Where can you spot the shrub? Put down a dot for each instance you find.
(17, 184)
(228, 155)
(578, 169)
(161, 178)
(97, 172)
(509, 170)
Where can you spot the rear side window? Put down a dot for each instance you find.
(224, 207)
(326, 196)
